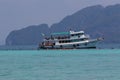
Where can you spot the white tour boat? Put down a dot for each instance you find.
(69, 40)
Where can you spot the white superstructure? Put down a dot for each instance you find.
(69, 40)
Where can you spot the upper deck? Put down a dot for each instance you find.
(77, 32)
(68, 33)
(71, 35)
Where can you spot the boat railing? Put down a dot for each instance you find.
(58, 38)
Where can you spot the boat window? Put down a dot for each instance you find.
(75, 40)
(84, 39)
(77, 44)
(67, 41)
(60, 41)
(72, 35)
(53, 43)
(77, 34)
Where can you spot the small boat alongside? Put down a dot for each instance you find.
(69, 40)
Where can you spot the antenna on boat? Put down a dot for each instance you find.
(70, 30)
(43, 34)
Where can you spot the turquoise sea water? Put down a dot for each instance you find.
(103, 64)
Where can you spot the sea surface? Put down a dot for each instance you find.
(86, 64)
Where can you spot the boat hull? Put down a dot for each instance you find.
(76, 45)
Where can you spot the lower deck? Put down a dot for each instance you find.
(76, 45)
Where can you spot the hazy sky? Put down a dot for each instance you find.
(16, 14)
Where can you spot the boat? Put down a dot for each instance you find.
(69, 40)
